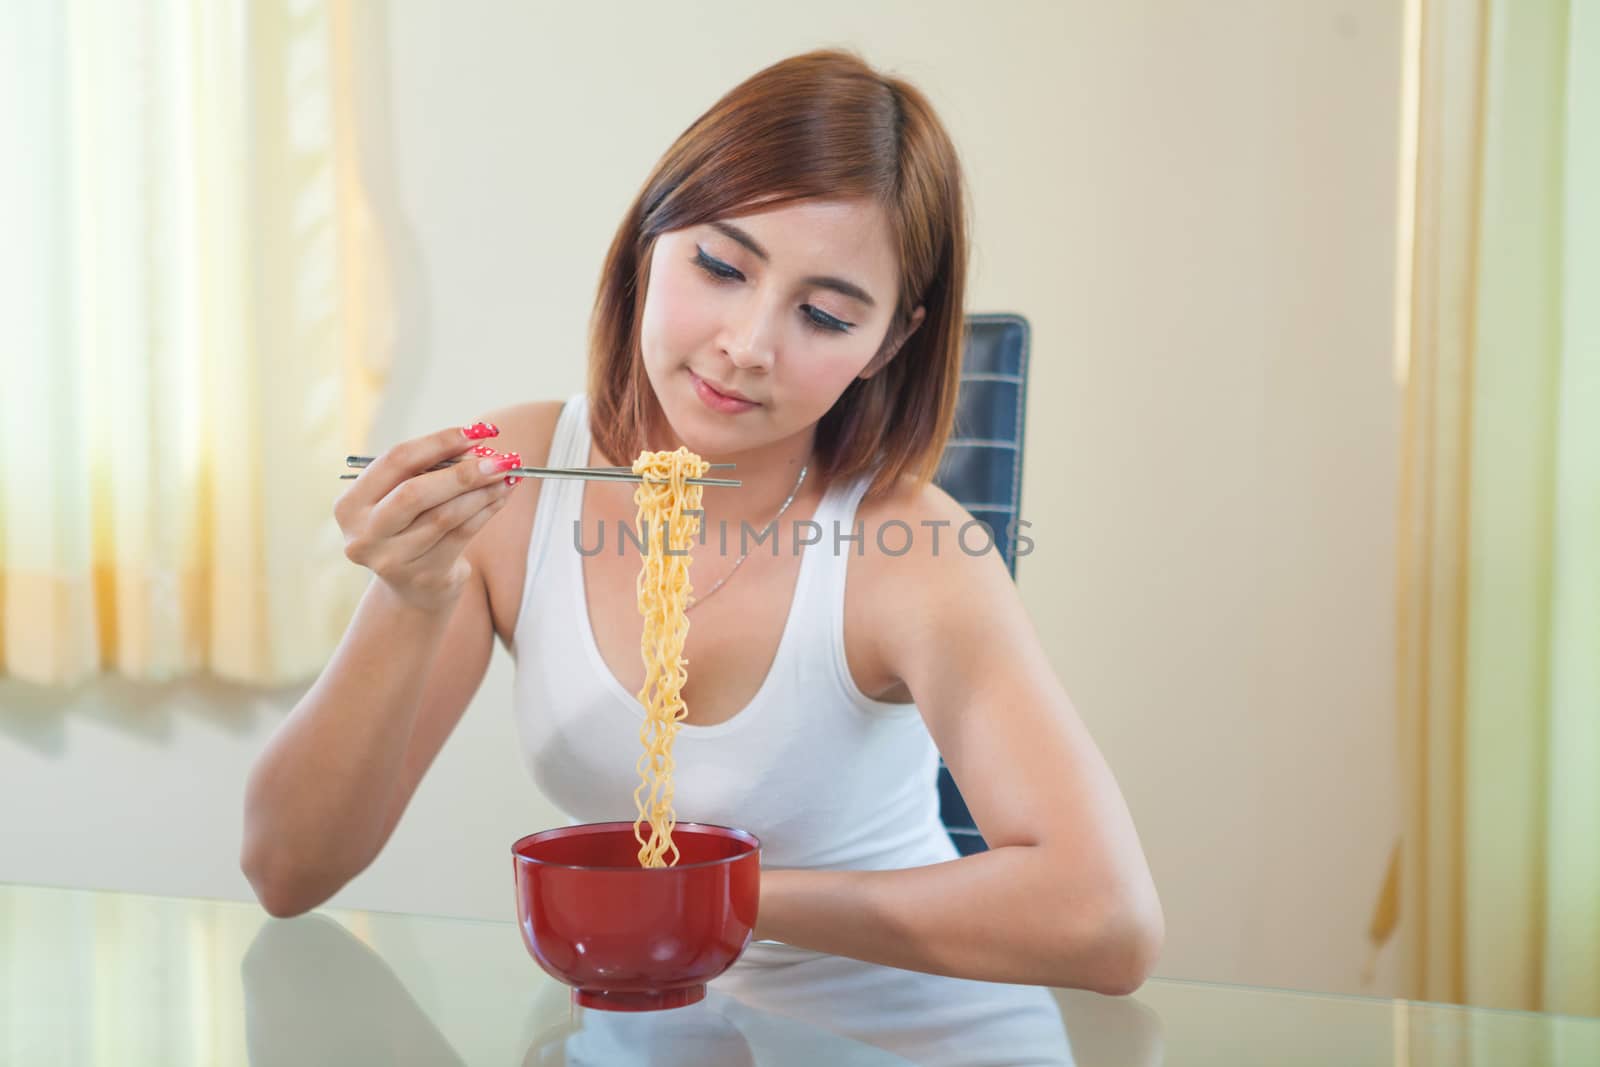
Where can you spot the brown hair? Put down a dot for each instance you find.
(823, 124)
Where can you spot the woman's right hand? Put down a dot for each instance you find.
(409, 525)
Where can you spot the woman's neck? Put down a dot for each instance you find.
(768, 476)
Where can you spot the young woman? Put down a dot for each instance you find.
(785, 294)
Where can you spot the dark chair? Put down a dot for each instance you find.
(982, 469)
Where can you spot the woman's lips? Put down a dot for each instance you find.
(719, 402)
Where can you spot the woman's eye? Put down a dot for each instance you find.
(823, 321)
(816, 318)
(715, 268)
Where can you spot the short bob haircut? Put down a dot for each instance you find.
(821, 125)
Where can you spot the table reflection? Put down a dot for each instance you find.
(315, 993)
(101, 978)
(718, 1030)
(926, 1018)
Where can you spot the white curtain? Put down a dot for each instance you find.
(194, 330)
(1497, 883)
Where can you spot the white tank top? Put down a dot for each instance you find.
(824, 775)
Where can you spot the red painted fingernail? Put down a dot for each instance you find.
(479, 430)
(483, 450)
(508, 462)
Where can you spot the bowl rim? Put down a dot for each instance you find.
(620, 824)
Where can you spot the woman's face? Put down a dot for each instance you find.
(782, 307)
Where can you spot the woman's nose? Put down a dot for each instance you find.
(751, 340)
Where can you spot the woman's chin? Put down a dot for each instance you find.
(705, 438)
(706, 433)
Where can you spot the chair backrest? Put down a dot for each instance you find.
(982, 469)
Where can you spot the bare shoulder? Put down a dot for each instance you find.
(921, 545)
(922, 555)
(911, 529)
(500, 550)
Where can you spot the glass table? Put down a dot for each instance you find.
(90, 978)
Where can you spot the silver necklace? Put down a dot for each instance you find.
(691, 605)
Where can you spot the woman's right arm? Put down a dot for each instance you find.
(331, 783)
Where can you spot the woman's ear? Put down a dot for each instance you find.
(887, 352)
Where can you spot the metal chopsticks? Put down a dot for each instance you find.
(593, 474)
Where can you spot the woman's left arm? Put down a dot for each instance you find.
(1064, 896)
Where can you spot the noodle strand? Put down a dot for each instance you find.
(663, 590)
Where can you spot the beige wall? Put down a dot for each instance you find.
(1192, 202)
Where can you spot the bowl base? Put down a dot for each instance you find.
(639, 1000)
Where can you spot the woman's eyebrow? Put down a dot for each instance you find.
(838, 285)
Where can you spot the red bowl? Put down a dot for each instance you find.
(630, 938)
